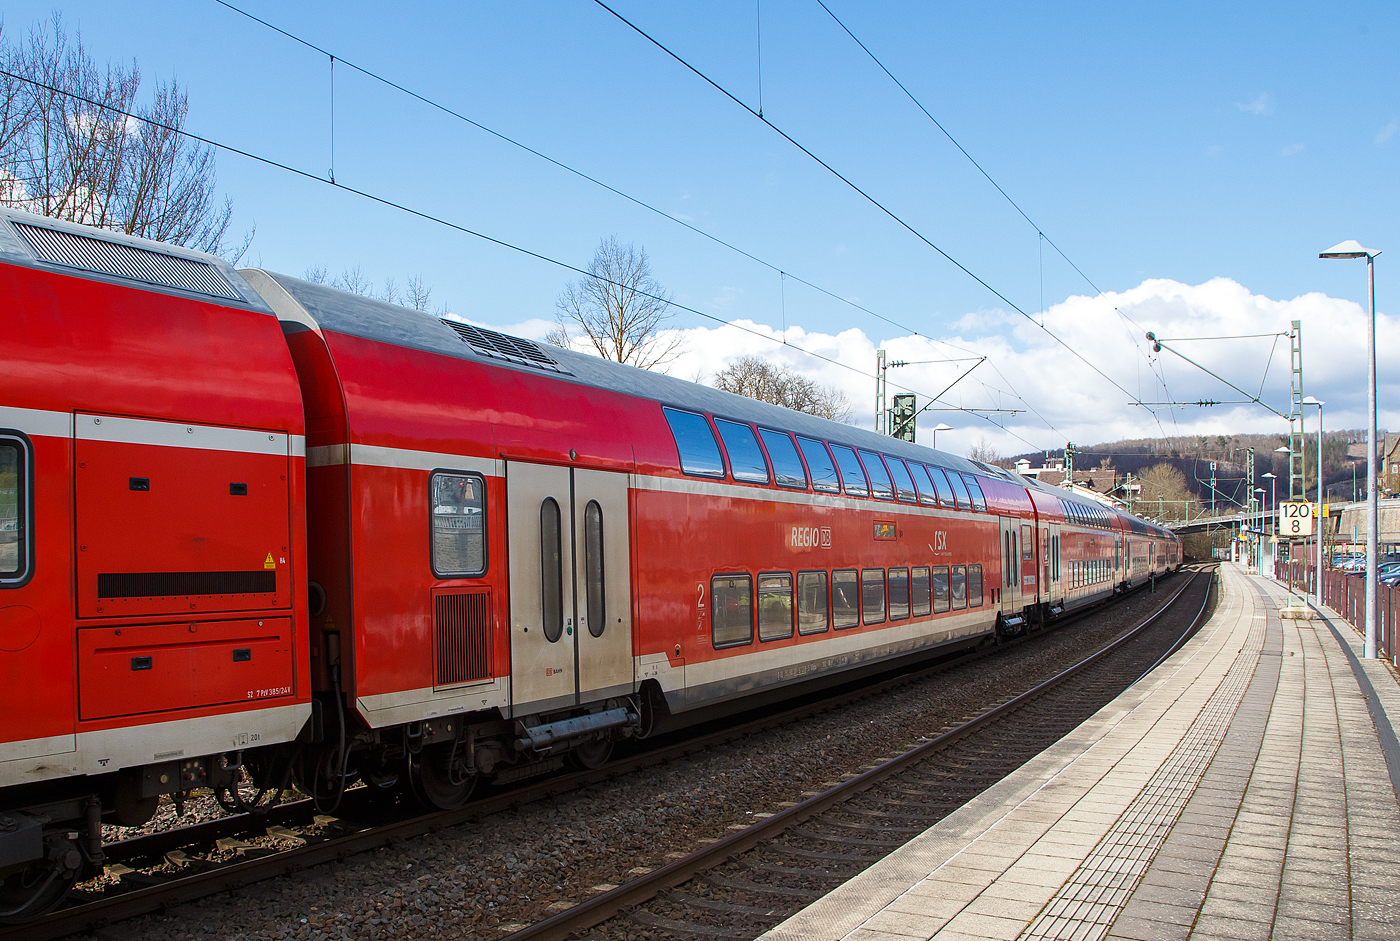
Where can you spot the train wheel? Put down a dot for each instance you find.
(591, 755)
(437, 779)
(38, 888)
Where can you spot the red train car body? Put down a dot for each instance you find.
(264, 524)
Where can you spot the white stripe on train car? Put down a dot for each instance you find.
(106, 750)
(37, 421)
(369, 455)
(173, 434)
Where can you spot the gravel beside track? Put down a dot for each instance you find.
(518, 867)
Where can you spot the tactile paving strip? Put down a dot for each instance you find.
(1086, 905)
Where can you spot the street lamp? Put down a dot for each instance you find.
(1352, 249)
(936, 429)
(1273, 499)
(1317, 536)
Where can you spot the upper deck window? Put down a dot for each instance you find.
(940, 482)
(824, 475)
(852, 474)
(903, 483)
(880, 483)
(459, 525)
(787, 466)
(974, 489)
(960, 488)
(745, 456)
(14, 510)
(696, 443)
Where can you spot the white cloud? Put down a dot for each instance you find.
(1292, 149)
(1387, 132)
(1108, 331)
(1261, 104)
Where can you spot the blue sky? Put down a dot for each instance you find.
(1161, 146)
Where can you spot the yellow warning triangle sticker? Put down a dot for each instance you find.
(268, 563)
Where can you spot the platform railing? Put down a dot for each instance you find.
(1346, 594)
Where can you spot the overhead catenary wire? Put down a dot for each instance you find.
(429, 217)
(559, 164)
(865, 195)
(783, 273)
(980, 169)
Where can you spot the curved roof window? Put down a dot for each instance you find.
(852, 474)
(696, 443)
(745, 456)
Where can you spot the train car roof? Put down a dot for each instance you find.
(317, 306)
(46, 244)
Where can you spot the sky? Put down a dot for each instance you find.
(1190, 160)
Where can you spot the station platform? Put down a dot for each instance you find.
(1246, 789)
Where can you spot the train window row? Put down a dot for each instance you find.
(459, 525)
(1092, 516)
(14, 538)
(1090, 572)
(819, 601)
(798, 462)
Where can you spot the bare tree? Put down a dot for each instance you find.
(983, 451)
(419, 294)
(1164, 493)
(619, 307)
(762, 379)
(76, 144)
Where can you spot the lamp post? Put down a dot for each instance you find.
(1273, 529)
(1260, 498)
(1317, 533)
(936, 429)
(1352, 249)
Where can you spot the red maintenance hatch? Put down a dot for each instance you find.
(126, 671)
(180, 519)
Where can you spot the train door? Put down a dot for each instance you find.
(570, 592)
(601, 542)
(1054, 589)
(1030, 587)
(1010, 566)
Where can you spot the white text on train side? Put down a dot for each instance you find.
(810, 537)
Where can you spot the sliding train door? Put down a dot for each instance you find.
(570, 586)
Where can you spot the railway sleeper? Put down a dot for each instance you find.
(758, 888)
(687, 900)
(684, 927)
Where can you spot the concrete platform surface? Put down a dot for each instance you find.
(1246, 789)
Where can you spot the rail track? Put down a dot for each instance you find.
(211, 857)
(739, 887)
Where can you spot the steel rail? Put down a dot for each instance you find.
(646, 887)
(100, 912)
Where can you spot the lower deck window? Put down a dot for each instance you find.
(959, 591)
(812, 600)
(920, 590)
(941, 589)
(14, 503)
(974, 586)
(845, 598)
(899, 593)
(774, 606)
(731, 610)
(872, 595)
(459, 525)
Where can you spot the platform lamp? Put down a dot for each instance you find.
(936, 429)
(1353, 249)
(1317, 535)
(1261, 491)
(1273, 511)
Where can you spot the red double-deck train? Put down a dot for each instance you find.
(250, 523)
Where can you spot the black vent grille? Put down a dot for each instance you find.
(166, 584)
(462, 627)
(499, 346)
(126, 261)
